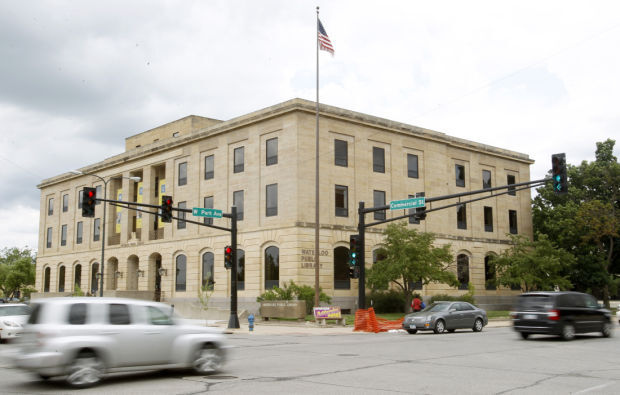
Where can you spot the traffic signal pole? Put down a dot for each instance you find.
(361, 228)
(233, 321)
(362, 211)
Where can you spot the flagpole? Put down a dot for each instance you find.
(316, 187)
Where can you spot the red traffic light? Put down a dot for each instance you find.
(228, 250)
(91, 193)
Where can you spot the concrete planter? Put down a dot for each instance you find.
(283, 309)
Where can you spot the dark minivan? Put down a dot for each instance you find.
(560, 313)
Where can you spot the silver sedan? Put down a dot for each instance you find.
(446, 316)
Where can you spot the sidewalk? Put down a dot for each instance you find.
(310, 328)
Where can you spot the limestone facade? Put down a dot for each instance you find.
(178, 157)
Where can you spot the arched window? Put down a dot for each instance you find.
(240, 270)
(207, 270)
(77, 277)
(341, 268)
(61, 279)
(94, 284)
(181, 273)
(272, 267)
(489, 273)
(462, 270)
(46, 280)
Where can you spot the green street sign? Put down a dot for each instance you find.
(407, 203)
(206, 212)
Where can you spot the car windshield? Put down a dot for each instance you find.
(437, 307)
(14, 310)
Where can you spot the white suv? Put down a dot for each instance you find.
(83, 338)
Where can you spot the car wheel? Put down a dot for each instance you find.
(524, 335)
(440, 327)
(606, 330)
(568, 331)
(207, 359)
(412, 331)
(86, 370)
(478, 325)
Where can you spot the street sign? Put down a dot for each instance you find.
(206, 212)
(407, 203)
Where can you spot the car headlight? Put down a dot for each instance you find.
(11, 323)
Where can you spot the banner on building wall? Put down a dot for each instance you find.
(119, 210)
(139, 200)
(162, 191)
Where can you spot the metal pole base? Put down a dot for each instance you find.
(233, 321)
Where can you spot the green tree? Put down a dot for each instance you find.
(17, 270)
(533, 265)
(585, 220)
(410, 256)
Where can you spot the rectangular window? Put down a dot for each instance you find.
(378, 160)
(342, 201)
(486, 179)
(510, 179)
(118, 314)
(341, 157)
(63, 235)
(271, 200)
(96, 229)
(460, 175)
(272, 151)
(238, 202)
(461, 216)
(50, 206)
(65, 203)
(80, 196)
(49, 238)
(512, 221)
(182, 173)
(78, 233)
(181, 224)
(238, 157)
(99, 194)
(379, 200)
(412, 166)
(488, 219)
(208, 204)
(412, 219)
(209, 167)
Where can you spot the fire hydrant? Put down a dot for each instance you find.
(251, 322)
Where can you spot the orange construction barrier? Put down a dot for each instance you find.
(367, 321)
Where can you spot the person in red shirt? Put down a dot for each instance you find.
(416, 303)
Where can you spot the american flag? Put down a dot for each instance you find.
(324, 43)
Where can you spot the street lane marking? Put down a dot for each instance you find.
(596, 388)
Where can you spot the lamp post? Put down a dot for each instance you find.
(105, 194)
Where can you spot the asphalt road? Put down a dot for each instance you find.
(495, 361)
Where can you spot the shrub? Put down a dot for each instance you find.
(390, 301)
(468, 297)
(293, 291)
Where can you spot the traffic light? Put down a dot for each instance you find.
(421, 209)
(228, 259)
(88, 202)
(558, 171)
(354, 255)
(166, 209)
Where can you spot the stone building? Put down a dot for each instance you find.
(263, 163)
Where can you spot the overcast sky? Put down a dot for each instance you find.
(78, 77)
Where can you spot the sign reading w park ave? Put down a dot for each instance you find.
(407, 203)
(206, 212)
